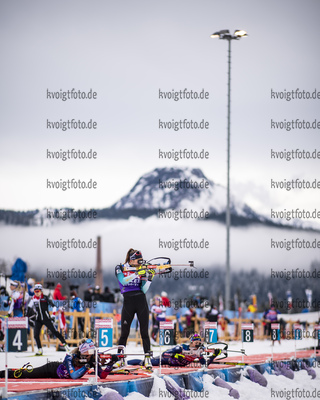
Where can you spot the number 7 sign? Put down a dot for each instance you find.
(211, 332)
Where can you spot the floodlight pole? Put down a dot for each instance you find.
(225, 34)
(228, 218)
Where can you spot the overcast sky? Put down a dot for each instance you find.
(126, 51)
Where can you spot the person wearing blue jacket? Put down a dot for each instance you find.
(74, 365)
(183, 355)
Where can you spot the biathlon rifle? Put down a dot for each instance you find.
(108, 356)
(105, 354)
(162, 268)
(26, 367)
(223, 353)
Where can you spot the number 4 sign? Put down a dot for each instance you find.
(105, 332)
(17, 334)
(166, 333)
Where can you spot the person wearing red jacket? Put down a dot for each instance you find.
(57, 293)
(165, 300)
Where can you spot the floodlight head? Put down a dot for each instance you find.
(240, 33)
(220, 34)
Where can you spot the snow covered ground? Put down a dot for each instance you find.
(279, 387)
(257, 347)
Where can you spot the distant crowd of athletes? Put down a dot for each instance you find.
(20, 295)
(17, 301)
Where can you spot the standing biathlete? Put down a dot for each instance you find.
(38, 314)
(183, 355)
(133, 286)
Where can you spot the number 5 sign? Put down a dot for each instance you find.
(17, 334)
(247, 332)
(166, 333)
(105, 332)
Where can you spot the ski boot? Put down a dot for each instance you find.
(66, 347)
(147, 364)
(121, 363)
(39, 352)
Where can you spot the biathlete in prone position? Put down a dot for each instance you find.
(74, 366)
(183, 355)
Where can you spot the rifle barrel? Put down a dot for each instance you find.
(109, 355)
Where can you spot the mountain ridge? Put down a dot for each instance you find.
(167, 188)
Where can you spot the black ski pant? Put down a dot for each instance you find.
(48, 370)
(135, 303)
(48, 323)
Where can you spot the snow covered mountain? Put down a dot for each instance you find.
(163, 189)
(183, 188)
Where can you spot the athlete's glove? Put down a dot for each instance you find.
(114, 358)
(151, 274)
(217, 352)
(179, 356)
(141, 271)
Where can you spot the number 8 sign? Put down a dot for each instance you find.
(105, 332)
(275, 331)
(247, 332)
